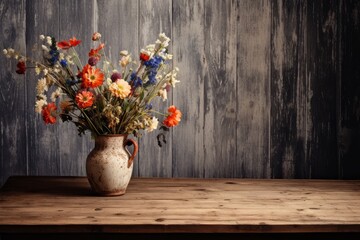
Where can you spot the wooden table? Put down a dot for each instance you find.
(237, 206)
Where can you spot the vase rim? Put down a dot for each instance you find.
(112, 135)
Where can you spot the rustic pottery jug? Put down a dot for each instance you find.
(109, 165)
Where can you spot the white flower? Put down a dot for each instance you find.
(42, 97)
(5, 52)
(11, 51)
(173, 81)
(152, 125)
(125, 60)
(164, 39)
(163, 94)
(165, 56)
(56, 94)
(48, 40)
(39, 105)
(37, 70)
(41, 86)
(69, 60)
(45, 71)
(124, 53)
(42, 37)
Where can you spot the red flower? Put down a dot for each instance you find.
(95, 52)
(91, 77)
(49, 113)
(21, 67)
(73, 42)
(84, 99)
(144, 57)
(173, 118)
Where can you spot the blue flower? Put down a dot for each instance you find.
(149, 106)
(133, 76)
(54, 59)
(63, 63)
(153, 62)
(137, 82)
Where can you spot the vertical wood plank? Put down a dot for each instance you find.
(350, 90)
(253, 76)
(322, 74)
(154, 18)
(220, 88)
(76, 19)
(13, 158)
(43, 139)
(188, 45)
(288, 90)
(118, 24)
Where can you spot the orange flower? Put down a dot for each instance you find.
(49, 113)
(73, 42)
(173, 118)
(91, 77)
(95, 52)
(84, 99)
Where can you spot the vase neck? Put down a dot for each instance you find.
(110, 140)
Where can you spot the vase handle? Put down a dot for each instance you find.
(129, 142)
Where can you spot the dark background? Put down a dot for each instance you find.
(269, 89)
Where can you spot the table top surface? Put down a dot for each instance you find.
(155, 205)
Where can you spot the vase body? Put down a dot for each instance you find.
(109, 165)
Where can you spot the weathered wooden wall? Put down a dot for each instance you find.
(269, 88)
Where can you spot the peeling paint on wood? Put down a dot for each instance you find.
(253, 75)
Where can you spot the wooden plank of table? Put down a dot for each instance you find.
(66, 204)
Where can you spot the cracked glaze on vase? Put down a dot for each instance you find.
(109, 165)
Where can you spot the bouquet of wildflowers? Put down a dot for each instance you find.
(99, 96)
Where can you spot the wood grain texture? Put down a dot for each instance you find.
(155, 17)
(253, 74)
(269, 89)
(220, 100)
(50, 204)
(13, 151)
(289, 105)
(43, 140)
(189, 56)
(117, 21)
(77, 18)
(349, 125)
(322, 75)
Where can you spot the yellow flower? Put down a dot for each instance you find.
(120, 88)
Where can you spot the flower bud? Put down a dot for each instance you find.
(93, 61)
(96, 36)
(115, 76)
